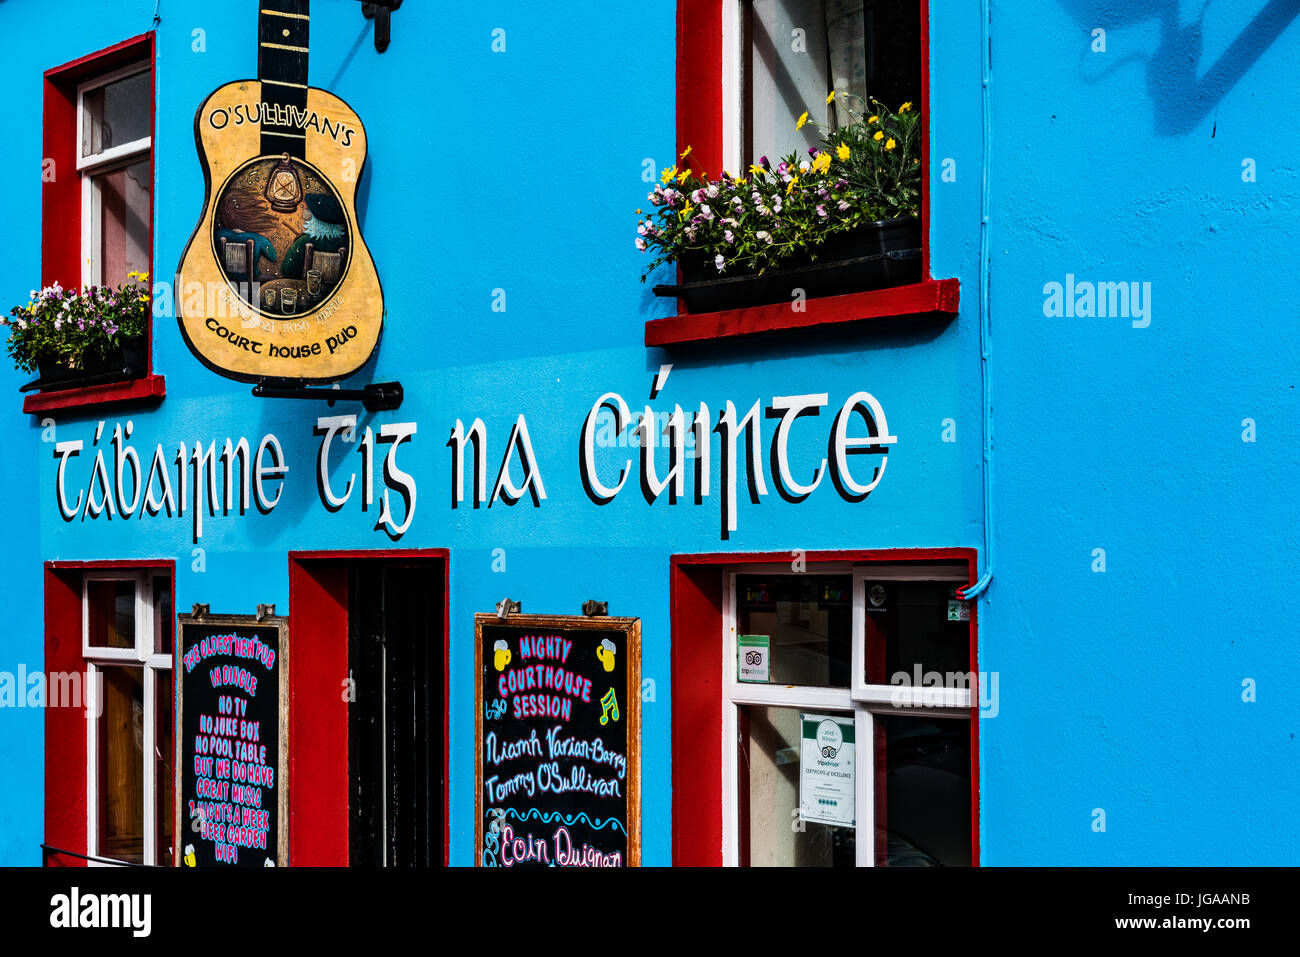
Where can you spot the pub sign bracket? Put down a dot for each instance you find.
(381, 12)
(376, 397)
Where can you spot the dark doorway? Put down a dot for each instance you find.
(395, 734)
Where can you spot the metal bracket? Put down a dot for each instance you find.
(594, 609)
(506, 608)
(200, 610)
(381, 12)
(376, 397)
(265, 611)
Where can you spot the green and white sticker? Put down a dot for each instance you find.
(753, 658)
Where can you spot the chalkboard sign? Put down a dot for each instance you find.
(232, 798)
(559, 738)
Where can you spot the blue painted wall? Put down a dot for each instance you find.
(520, 171)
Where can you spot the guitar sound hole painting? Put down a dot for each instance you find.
(281, 236)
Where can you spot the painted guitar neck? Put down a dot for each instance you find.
(283, 30)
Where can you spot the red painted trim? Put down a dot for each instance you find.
(65, 728)
(924, 298)
(158, 563)
(61, 207)
(696, 585)
(318, 715)
(148, 388)
(699, 85)
(317, 579)
(420, 553)
(696, 657)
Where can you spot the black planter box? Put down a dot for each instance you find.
(884, 254)
(128, 362)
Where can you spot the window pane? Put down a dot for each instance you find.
(769, 759)
(909, 633)
(124, 198)
(117, 113)
(800, 50)
(809, 619)
(120, 748)
(111, 614)
(164, 779)
(787, 76)
(923, 813)
(162, 609)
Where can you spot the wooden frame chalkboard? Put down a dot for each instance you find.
(194, 664)
(552, 741)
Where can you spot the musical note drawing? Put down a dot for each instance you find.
(608, 703)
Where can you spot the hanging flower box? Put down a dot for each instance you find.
(74, 338)
(845, 218)
(876, 256)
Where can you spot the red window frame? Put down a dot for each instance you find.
(61, 212)
(696, 584)
(65, 728)
(700, 126)
(318, 715)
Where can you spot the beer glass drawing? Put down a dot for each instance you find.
(289, 301)
(313, 282)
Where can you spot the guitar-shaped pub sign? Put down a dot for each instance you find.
(276, 281)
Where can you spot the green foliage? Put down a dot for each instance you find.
(70, 328)
(861, 173)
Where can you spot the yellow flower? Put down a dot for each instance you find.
(905, 107)
(830, 97)
(144, 276)
(757, 170)
(144, 298)
(801, 121)
(638, 212)
(842, 152)
(891, 144)
(681, 177)
(668, 174)
(821, 163)
(133, 275)
(879, 135)
(793, 183)
(873, 119)
(686, 154)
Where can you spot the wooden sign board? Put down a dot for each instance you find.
(232, 749)
(558, 726)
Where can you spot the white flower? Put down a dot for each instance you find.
(641, 230)
(729, 236)
(720, 261)
(712, 191)
(705, 211)
(842, 205)
(737, 201)
(764, 235)
(640, 244)
(803, 167)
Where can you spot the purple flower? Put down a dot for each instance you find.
(821, 211)
(720, 261)
(762, 161)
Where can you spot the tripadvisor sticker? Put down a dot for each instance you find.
(753, 653)
(826, 770)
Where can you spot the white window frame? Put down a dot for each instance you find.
(117, 157)
(861, 701)
(143, 655)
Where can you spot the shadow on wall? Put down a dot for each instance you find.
(1181, 89)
